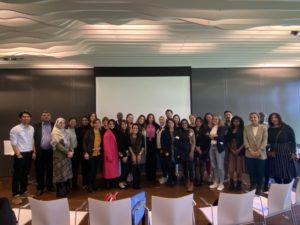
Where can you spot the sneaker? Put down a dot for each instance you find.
(162, 180)
(129, 178)
(214, 185)
(121, 185)
(220, 187)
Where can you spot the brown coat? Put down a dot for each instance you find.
(258, 142)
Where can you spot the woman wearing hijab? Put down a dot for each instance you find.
(111, 155)
(62, 166)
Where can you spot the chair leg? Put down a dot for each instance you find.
(293, 213)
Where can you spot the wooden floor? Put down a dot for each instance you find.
(76, 198)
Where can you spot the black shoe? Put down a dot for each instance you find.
(231, 187)
(239, 185)
(89, 189)
(39, 192)
(266, 188)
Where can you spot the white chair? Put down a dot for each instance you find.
(295, 198)
(23, 215)
(109, 213)
(54, 212)
(172, 211)
(278, 201)
(231, 209)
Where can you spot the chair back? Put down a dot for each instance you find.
(297, 192)
(235, 208)
(172, 211)
(109, 213)
(279, 199)
(138, 203)
(50, 212)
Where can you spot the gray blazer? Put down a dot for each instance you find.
(254, 143)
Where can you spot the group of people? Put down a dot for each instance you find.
(123, 148)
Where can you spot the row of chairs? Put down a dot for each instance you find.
(238, 208)
(232, 209)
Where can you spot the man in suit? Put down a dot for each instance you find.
(44, 153)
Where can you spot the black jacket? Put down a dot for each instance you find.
(221, 138)
(88, 142)
(38, 135)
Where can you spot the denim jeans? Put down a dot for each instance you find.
(217, 163)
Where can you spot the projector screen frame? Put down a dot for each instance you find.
(144, 72)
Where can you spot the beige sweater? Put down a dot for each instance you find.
(258, 142)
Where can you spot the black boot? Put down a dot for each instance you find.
(231, 187)
(61, 189)
(239, 185)
(136, 177)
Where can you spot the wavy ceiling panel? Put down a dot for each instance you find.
(220, 33)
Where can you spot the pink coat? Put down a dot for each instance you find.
(111, 157)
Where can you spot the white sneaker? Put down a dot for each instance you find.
(220, 187)
(129, 178)
(162, 180)
(214, 185)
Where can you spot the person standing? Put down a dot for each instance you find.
(62, 154)
(192, 119)
(255, 142)
(169, 144)
(217, 152)
(80, 133)
(187, 148)
(123, 147)
(72, 126)
(44, 153)
(201, 154)
(228, 118)
(22, 141)
(137, 150)
(163, 179)
(151, 162)
(282, 150)
(92, 150)
(110, 155)
(236, 152)
(119, 119)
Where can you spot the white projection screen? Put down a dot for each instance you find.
(143, 95)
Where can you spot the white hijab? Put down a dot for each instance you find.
(59, 134)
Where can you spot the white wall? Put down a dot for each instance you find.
(142, 95)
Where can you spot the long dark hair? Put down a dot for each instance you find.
(278, 117)
(147, 119)
(138, 135)
(241, 126)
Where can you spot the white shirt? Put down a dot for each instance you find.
(214, 131)
(255, 129)
(22, 137)
(73, 137)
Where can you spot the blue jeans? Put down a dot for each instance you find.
(217, 163)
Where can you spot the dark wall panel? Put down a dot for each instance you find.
(248, 89)
(63, 92)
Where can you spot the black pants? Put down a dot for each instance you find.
(170, 165)
(44, 168)
(188, 169)
(267, 173)
(136, 174)
(84, 171)
(124, 170)
(93, 165)
(76, 160)
(256, 170)
(163, 165)
(151, 159)
(20, 174)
